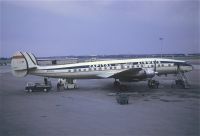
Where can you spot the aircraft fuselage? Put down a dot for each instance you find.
(93, 70)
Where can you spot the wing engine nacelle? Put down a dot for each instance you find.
(145, 73)
(141, 75)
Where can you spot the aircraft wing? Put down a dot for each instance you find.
(122, 73)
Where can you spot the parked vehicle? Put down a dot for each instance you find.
(38, 86)
(122, 98)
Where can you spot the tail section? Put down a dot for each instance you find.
(21, 63)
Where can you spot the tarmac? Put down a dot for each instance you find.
(92, 109)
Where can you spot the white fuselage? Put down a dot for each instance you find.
(92, 70)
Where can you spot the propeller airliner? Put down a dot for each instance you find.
(127, 70)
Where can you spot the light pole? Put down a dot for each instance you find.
(161, 39)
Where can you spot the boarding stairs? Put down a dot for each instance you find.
(182, 79)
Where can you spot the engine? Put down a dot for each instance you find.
(145, 73)
(141, 75)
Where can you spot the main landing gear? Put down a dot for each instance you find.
(119, 86)
(153, 84)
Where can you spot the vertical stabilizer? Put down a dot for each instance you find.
(21, 63)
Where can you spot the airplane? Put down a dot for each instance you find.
(125, 70)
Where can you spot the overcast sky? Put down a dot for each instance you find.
(49, 28)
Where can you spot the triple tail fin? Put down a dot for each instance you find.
(21, 63)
